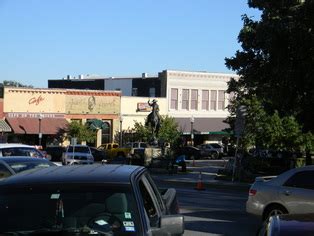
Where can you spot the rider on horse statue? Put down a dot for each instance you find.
(153, 119)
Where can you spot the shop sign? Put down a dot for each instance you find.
(33, 115)
(143, 107)
(36, 100)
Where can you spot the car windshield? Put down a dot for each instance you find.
(215, 145)
(79, 149)
(21, 151)
(70, 209)
(19, 166)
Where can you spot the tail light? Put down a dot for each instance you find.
(252, 192)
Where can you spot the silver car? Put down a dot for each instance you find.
(77, 154)
(291, 192)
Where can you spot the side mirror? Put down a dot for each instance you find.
(170, 225)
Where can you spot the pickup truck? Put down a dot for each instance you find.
(89, 199)
(113, 150)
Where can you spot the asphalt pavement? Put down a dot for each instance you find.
(199, 173)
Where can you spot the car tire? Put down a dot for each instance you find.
(274, 210)
(214, 155)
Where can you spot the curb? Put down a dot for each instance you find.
(207, 184)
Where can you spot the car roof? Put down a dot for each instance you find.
(283, 176)
(78, 145)
(11, 159)
(12, 145)
(79, 174)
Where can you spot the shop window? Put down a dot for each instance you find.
(185, 99)
(106, 133)
(221, 100)
(205, 100)
(194, 99)
(213, 100)
(174, 99)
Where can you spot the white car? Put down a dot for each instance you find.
(77, 154)
(17, 149)
(291, 192)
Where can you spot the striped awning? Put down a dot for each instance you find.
(4, 127)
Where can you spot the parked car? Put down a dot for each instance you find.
(13, 165)
(285, 225)
(85, 200)
(211, 150)
(16, 149)
(77, 154)
(55, 152)
(99, 155)
(290, 192)
(190, 152)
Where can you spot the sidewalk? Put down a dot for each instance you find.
(191, 177)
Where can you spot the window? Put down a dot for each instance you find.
(213, 99)
(78, 121)
(303, 179)
(221, 100)
(152, 92)
(174, 99)
(149, 205)
(134, 91)
(194, 100)
(205, 98)
(185, 99)
(4, 172)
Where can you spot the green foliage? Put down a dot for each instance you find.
(277, 58)
(168, 131)
(12, 83)
(81, 132)
(272, 131)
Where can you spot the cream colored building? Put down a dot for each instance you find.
(137, 109)
(198, 100)
(37, 115)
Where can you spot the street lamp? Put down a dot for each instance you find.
(192, 130)
(120, 139)
(39, 129)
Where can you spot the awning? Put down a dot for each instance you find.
(202, 125)
(4, 127)
(31, 125)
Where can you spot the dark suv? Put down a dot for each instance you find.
(55, 152)
(86, 200)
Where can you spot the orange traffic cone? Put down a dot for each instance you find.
(200, 185)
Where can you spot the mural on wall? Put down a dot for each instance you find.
(92, 104)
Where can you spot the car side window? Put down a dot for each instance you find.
(4, 172)
(149, 205)
(303, 179)
(156, 191)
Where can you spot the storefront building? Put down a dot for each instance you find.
(38, 116)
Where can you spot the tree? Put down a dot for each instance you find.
(270, 131)
(168, 131)
(81, 132)
(276, 63)
(13, 83)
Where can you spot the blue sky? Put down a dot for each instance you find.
(49, 39)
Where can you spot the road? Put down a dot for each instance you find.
(216, 212)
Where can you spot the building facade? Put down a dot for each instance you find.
(197, 100)
(38, 116)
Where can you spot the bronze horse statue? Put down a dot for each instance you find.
(153, 119)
